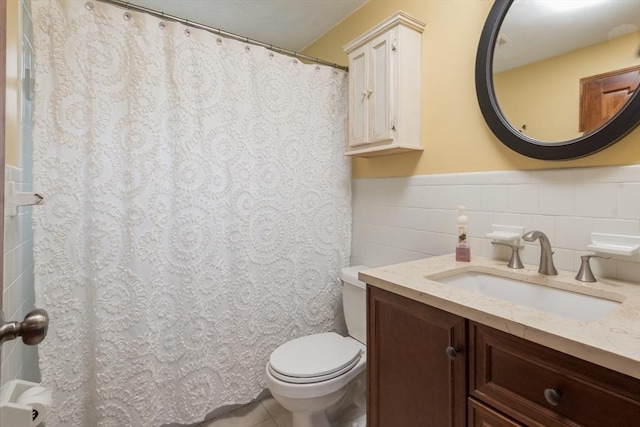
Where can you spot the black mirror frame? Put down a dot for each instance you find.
(620, 125)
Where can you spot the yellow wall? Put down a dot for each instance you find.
(12, 125)
(546, 95)
(454, 135)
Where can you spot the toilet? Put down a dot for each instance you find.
(321, 378)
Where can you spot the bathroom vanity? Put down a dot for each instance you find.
(440, 355)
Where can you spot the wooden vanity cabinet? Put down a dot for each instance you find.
(539, 386)
(495, 379)
(412, 382)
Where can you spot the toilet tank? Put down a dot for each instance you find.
(354, 302)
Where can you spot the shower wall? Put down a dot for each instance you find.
(18, 360)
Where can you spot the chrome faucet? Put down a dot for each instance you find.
(546, 254)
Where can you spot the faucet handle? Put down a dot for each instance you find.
(515, 261)
(585, 274)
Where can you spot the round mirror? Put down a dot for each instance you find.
(558, 79)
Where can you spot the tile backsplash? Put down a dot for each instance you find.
(19, 361)
(402, 219)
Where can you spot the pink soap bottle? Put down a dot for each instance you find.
(463, 249)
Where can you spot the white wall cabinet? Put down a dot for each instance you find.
(384, 88)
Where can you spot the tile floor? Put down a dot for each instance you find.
(266, 413)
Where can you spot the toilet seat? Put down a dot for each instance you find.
(314, 358)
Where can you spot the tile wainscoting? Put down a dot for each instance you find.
(18, 360)
(403, 219)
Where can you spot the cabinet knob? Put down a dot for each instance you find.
(452, 352)
(552, 396)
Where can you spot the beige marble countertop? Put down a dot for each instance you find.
(612, 342)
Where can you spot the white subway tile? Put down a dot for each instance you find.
(30, 363)
(530, 254)
(413, 218)
(629, 271)
(563, 259)
(470, 196)
(617, 226)
(419, 180)
(479, 224)
(573, 233)
(629, 200)
(612, 174)
(443, 179)
(557, 176)
(495, 251)
(556, 199)
(442, 221)
(443, 243)
(375, 255)
(6, 271)
(7, 224)
(475, 178)
(422, 197)
(354, 260)
(399, 219)
(500, 218)
(494, 198)
(511, 177)
(596, 200)
(446, 196)
(360, 212)
(522, 198)
(413, 196)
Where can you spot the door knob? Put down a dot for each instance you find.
(33, 329)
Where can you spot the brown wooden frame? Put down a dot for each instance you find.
(584, 107)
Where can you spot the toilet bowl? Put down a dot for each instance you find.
(316, 376)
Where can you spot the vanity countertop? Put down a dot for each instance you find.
(612, 342)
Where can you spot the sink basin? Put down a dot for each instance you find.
(557, 301)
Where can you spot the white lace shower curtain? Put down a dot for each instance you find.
(197, 212)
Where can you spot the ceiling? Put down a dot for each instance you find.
(535, 30)
(289, 24)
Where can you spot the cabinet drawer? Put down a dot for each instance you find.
(483, 416)
(512, 374)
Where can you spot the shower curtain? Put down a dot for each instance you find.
(196, 214)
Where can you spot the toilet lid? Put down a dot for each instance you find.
(314, 358)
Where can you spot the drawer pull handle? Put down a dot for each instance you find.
(553, 396)
(452, 352)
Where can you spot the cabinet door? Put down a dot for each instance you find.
(411, 380)
(380, 85)
(359, 96)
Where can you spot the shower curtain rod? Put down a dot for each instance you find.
(220, 32)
